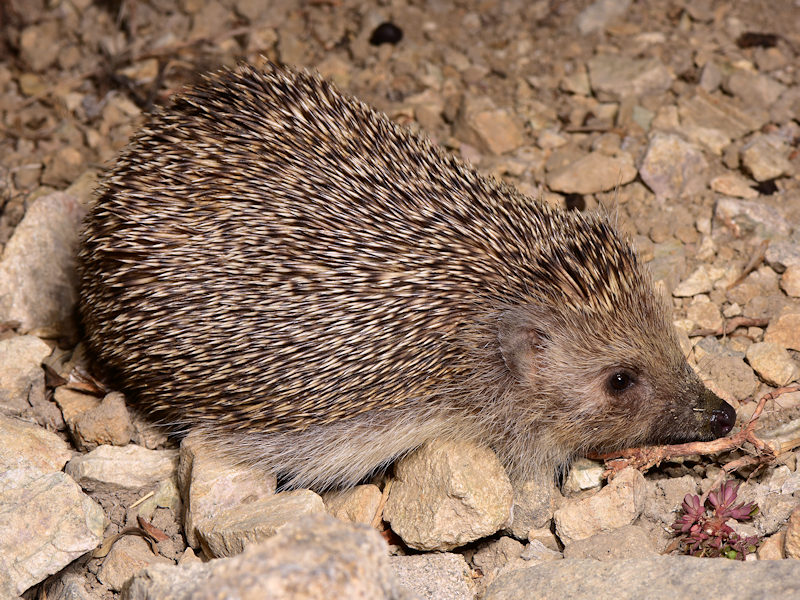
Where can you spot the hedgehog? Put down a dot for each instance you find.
(318, 291)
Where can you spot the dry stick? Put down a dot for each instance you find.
(648, 456)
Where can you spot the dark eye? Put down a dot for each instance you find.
(620, 381)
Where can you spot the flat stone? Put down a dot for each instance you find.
(766, 157)
(629, 541)
(592, 173)
(754, 88)
(211, 485)
(21, 373)
(673, 167)
(623, 76)
(358, 504)
(725, 373)
(584, 474)
(772, 363)
(38, 282)
(782, 254)
(792, 541)
(228, 532)
(657, 578)
(698, 282)
(616, 505)
(129, 555)
(447, 494)
(785, 330)
(731, 184)
(534, 503)
(26, 443)
(107, 423)
(715, 111)
(751, 216)
(595, 16)
(316, 557)
(435, 576)
(47, 522)
(790, 281)
(131, 467)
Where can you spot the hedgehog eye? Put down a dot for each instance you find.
(620, 381)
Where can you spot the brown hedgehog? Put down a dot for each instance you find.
(320, 291)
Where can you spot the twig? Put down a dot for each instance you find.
(645, 457)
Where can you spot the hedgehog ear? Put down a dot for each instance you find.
(520, 342)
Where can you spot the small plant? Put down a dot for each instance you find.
(703, 527)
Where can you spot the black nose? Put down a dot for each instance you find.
(722, 420)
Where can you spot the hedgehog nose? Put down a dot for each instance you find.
(722, 420)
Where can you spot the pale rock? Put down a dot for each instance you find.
(699, 282)
(616, 505)
(782, 254)
(622, 76)
(38, 282)
(107, 423)
(791, 545)
(704, 313)
(748, 215)
(629, 541)
(211, 485)
(766, 157)
(673, 167)
(73, 403)
(731, 184)
(754, 88)
(26, 444)
(539, 551)
(773, 363)
(711, 139)
(715, 111)
(358, 504)
(785, 330)
(131, 467)
(584, 474)
(534, 503)
(595, 16)
(447, 494)
(316, 557)
(129, 555)
(592, 173)
(39, 45)
(490, 129)
(46, 523)
(434, 576)
(771, 548)
(21, 374)
(229, 532)
(668, 264)
(790, 281)
(724, 371)
(654, 578)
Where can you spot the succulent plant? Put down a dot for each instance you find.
(703, 526)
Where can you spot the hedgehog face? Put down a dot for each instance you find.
(608, 383)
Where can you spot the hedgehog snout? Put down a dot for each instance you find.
(722, 418)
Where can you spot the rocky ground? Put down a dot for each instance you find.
(681, 117)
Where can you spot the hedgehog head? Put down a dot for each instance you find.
(595, 350)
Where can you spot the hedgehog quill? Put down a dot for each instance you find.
(320, 291)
